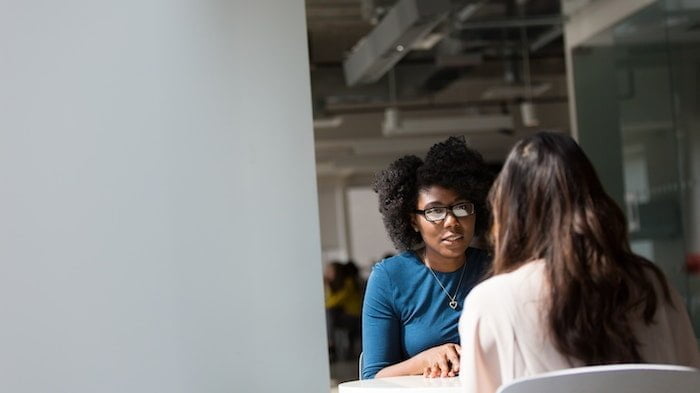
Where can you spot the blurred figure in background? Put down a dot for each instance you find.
(343, 308)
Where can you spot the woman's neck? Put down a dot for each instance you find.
(440, 263)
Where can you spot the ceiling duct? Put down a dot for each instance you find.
(406, 23)
(394, 124)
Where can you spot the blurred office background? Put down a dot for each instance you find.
(391, 78)
(146, 148)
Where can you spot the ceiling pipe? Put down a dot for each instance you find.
(527, 21)
(469, 10)
(380, 107)
(546, 37)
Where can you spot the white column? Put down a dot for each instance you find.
(158, 211)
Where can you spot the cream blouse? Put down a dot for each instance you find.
(504, 334)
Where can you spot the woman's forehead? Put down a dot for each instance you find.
(438, 194)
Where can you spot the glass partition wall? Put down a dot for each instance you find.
(637, 92)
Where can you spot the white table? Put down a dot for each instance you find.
(412, 384)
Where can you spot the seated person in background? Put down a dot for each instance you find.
(431, 210)
(343, 302)
(566, 291)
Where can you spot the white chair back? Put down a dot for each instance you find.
(359, 367)
(621, 378)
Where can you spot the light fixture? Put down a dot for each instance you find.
(528, 114)
(394, 124)
(515, 91)
(527, 109)
(429, 41)
(328, 122)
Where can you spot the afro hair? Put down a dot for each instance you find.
(449, 164)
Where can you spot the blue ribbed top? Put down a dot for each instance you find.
(406, 312)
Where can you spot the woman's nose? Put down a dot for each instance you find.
(450, 219)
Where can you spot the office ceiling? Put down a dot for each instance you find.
(470, 69)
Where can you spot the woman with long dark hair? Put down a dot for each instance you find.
(567, 290)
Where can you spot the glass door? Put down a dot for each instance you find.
(637, 90)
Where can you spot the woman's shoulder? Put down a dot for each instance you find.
(523, 282)
(391, 274)
(398, 270)
(399, 262)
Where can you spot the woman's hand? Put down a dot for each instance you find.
(441, 361)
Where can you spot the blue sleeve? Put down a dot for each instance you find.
(381, 328)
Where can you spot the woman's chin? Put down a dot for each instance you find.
(457, 246)
(453, 250)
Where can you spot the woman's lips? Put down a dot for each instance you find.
(452, 239)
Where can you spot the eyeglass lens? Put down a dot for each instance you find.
(439, 213)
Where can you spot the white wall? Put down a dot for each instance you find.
(333, 220)
(351, 226)
(330, 239)
(158, 208)
(368, 237)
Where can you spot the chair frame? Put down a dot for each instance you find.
(626, 381)
(359, 367)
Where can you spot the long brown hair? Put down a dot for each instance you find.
(548, 203)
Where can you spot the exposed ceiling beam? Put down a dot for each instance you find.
(407, 22)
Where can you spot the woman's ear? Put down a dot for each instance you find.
(414, 224)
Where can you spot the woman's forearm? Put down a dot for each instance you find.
(439, 361)
(412, 366)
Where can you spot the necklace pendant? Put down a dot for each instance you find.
(453, 304)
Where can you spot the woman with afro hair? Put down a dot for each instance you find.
(432, 209)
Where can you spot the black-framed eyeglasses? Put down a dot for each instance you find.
(438, 213)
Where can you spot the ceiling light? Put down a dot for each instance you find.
(514, 91)
(394, 124)
(328, 122)
(468, 11)
(428, 42)
(528, 114)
